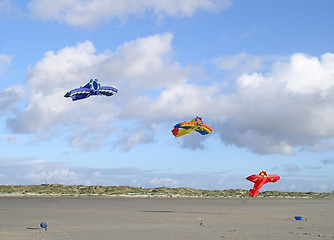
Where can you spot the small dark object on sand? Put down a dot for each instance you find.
(44, 225)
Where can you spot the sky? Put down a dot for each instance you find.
(259, 73)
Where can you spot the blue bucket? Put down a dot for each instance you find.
(298, 218)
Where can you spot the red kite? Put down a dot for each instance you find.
(259, 180)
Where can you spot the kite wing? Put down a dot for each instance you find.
(259, 182)
(107, 91)
(273, 178)
(78, 93)
(255, 178)
(203, 129)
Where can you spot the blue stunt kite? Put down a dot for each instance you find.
(91, 88)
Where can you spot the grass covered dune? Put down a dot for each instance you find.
(81, 190)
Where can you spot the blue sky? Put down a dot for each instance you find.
(259, 73)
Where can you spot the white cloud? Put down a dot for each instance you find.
(48, 81)
(90, 13)
(289, 106)
(56, 175)
(306, 74)
(267, 112)
(135, 67)
(9, 97)
(179, 101)
(35, 171)
(168, 182)
(145, 63)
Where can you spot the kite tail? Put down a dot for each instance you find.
(253, 192)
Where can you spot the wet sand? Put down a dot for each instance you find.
(165, 218)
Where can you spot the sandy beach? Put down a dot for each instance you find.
(165, 218)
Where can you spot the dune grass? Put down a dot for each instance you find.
(96, 190)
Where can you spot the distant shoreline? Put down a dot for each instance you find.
(96, 191)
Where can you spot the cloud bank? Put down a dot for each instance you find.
(90, 13)
(135, 67)
(287, 106)
(33, 171)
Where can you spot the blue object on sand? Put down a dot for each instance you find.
(298, 218)
(44, 225)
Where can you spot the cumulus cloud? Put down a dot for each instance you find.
(307, 74)
(135, 67)
(90, 13)
(47, 82)
(288, 106)
(9, 97)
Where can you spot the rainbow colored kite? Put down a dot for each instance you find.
(196, 124)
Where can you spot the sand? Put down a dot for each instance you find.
(165, 218)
